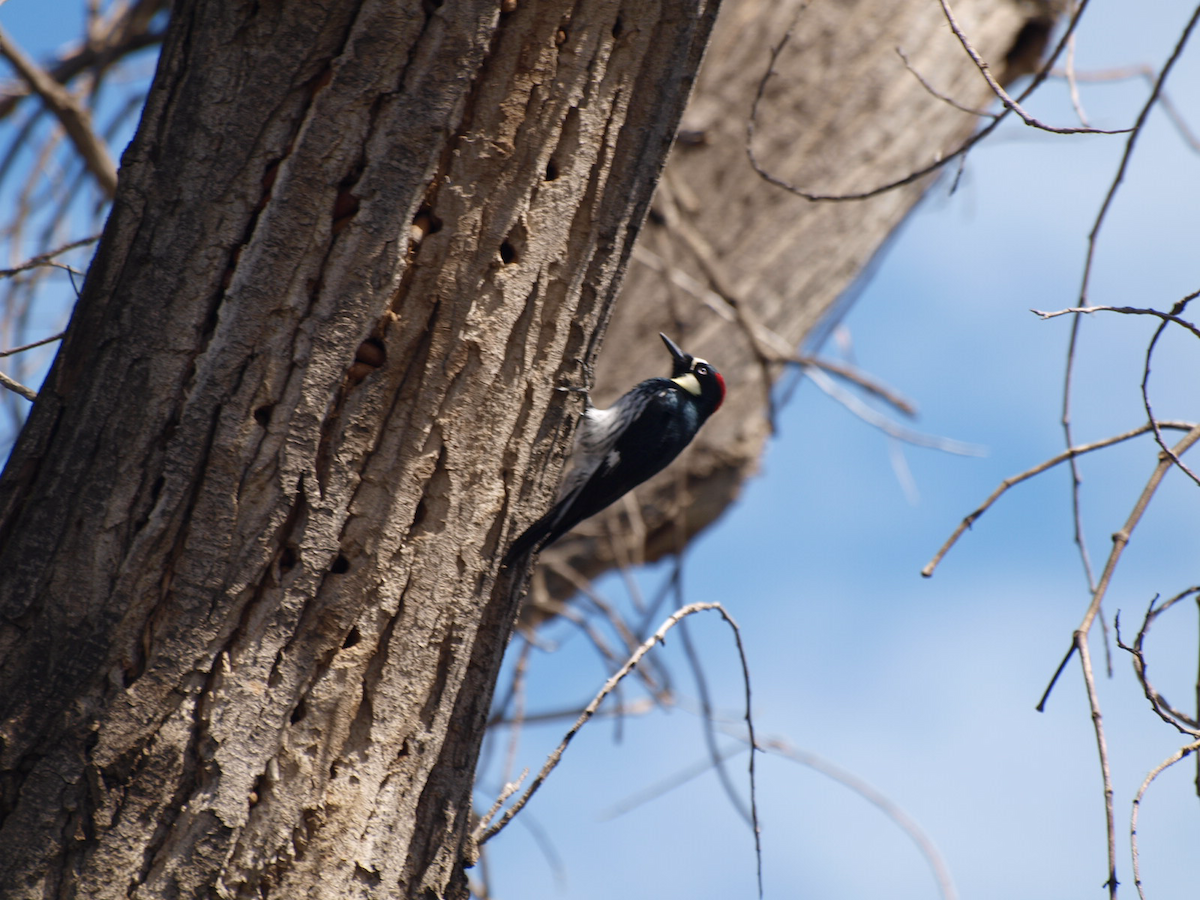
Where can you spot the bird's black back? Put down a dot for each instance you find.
(667, 423)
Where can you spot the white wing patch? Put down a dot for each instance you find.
(594, 438)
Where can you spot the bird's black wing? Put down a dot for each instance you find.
(652, 439)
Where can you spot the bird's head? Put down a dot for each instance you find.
(696, 376)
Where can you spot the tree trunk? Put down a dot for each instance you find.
(250, 532)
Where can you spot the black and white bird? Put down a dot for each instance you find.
(618, 448)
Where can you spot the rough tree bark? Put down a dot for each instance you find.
(249, 535)
(841, 115)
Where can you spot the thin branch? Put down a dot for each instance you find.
(1175, 757)
(860, 379)
(916, 174)
(769, 343)
(668, 784)
(886, 425)
(45, 259)
(520, 670)
(1121, 538)
(484, 833)
(24, 347)
(1102, 748)
(941, 872)
(1007, 483)
(1149, 75)
(1089, 260)
(706, 708)
(982, 113)
(1158, 438)
(1003, 95)
(127, 33)
(17, 388)
(1125, 310)
(74, 118)
(1182, 722)
(1072, 81)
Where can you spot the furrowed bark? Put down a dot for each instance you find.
(250, 532)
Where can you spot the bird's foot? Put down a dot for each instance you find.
(568, 389)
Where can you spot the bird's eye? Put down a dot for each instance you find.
(701, 369)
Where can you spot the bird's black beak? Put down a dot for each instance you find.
(682, 362)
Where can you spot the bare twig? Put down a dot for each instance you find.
(702, 693)
(1149, 75)
(1102, 748)
(1007, 483)
(915, 175)
(24, 347)
(518, 694)
(484, 833)
(1003, 95)
(860, 379)
(128, 31)
(74, 118)
(1182, 722)
(43, 259)
(1126, 310)
(17, 388)
(1072, 81)
(1158, 438)
(982, 113)
(1089, 259)
(1175, 757)
(886, 425)
(1121, 538)
(941, 872)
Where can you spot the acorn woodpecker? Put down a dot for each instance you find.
(616, 449)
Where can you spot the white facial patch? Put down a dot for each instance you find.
(689, 383)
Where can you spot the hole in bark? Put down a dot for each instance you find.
(345, 206)
(514, 244)
(287, 558)
(425, 215)
(551, 170)
(299, 712)
(424, 223)
(260, 787)
(367, 877)
(371, 352)
(351, 639)
(418, 516)
(618, 28)
(1027, 49)
(340, 566)
(262, 415)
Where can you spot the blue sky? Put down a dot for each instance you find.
(925, 688)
